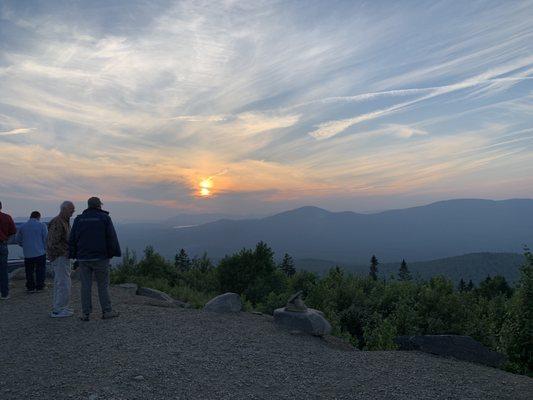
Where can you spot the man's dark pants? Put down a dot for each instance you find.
(4, 277)
(100, 269)
(35, 272)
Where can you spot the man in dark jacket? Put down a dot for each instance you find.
(93, 242)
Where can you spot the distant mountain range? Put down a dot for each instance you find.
(438, 230)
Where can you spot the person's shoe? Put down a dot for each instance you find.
(69, 309)
(61, 314)
(30, 291)
(110, 314)
(40, 290)
(4, 297)
(85, 317)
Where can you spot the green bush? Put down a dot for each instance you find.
(252, 273)
(379, 334)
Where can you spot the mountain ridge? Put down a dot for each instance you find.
(437, 230)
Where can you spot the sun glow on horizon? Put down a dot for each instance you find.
(205, 187)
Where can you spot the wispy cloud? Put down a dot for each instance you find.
(16, 131)
(292, 101)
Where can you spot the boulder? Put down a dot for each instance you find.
(460, 347)
(164, 300)
(154, 294)
(225, 303)
(129, 287)
(18, 274)
(182, 304)
(309, 321)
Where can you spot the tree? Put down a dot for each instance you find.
(287, 265)
(202, 264)
(250, 272)
(492, 287)
(148, 252)
(470, 286)
(462, 285)
(516, 332)
(153, 265)
(374, 268)
(182, 261)
(404, 273)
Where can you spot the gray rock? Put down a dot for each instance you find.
(460, 347)
(154, 294)
(164, 300)
(310, 321)
(129, 287)
(182, 304)
(18, 274)
(225, 303)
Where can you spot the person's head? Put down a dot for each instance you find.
(35, 215)
(94, 202)
(67, 208)
(0, 205)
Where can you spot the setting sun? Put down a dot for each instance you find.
(205, 187)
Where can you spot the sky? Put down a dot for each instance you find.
(254, 107)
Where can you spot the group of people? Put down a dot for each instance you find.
(91, 241)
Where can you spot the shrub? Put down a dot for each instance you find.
(252, 273)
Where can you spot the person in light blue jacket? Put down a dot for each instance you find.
(31, 236)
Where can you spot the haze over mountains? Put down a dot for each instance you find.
(438, 230)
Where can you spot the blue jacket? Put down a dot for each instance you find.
(93, 236)
(32, 237)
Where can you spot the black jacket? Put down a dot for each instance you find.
(93, 236)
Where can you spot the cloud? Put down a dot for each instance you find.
(16, 131)
(331, 128)
(404, 131)
(173, 92)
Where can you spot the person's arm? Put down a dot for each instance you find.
(73, 241)
(11, 227)
(113, 246)
(50, 240)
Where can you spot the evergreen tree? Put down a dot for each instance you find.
(404, 273)
(374, 268)
(493, 287)
(470, 286)
(182, 261)
(462, 285)
(148, 252)
(516, 332)
(287, 265)
(203, 263)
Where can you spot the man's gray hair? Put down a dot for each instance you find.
(66, 204)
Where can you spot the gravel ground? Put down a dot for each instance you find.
(152, 352)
